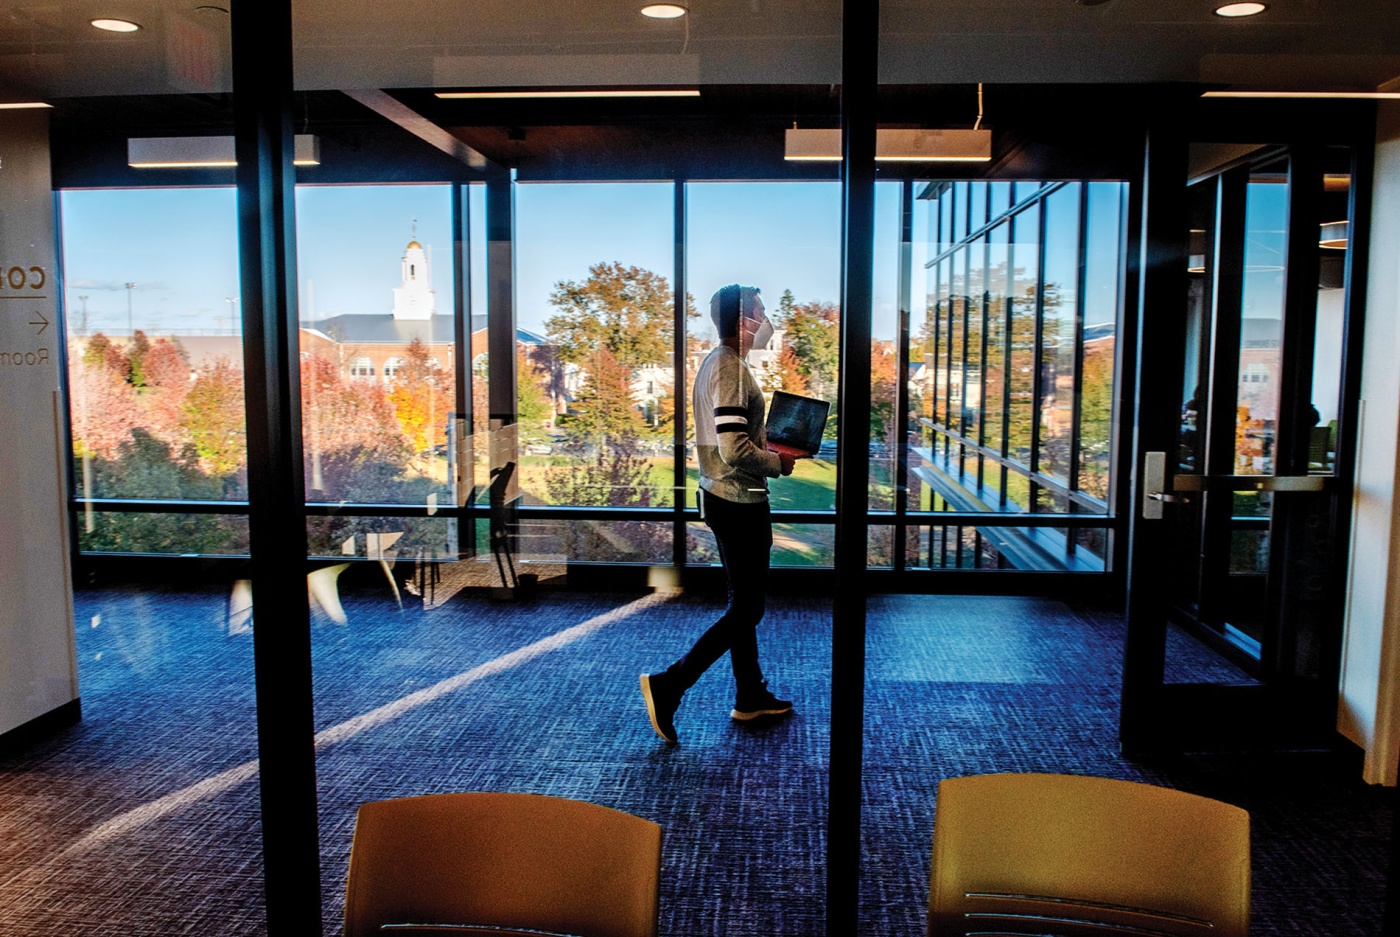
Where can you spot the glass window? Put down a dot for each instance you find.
(957, 346)
(1103, 237)
(1025, 289)
(596, 319)
(977, 206)
(796, 264)
(1333, 243)
(960, 210)
(942, 326)
(1261, 328)
(155, 350)
(945, 218)
(1060, 304)
(998, 285)
(976, 350)
(1000, 198)
(377, 327)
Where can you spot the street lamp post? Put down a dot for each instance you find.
(130, 327)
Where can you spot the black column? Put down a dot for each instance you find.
(1161, 337)
(679, 364)
(860, 43)
(501, 376)
(500, 297)
(262, 81)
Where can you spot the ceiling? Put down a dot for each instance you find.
(48, 49)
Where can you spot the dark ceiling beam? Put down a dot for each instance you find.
(395, 111)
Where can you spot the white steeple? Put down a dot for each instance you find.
(414, 299)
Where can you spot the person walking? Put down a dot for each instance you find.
(735, 467)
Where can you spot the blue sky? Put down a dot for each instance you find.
(179, 246)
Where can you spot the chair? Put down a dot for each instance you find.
(1050, 854)
(501, 861)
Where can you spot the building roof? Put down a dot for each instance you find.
(384, 329)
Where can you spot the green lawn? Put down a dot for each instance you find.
(811, 486)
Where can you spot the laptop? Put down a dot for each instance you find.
(795, 424)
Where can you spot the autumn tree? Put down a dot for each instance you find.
(618, 320)
(813, 330)
(166, 365)
(101, 351)
(601, 434)
(136, 358)
(627, 310)
(534, 407)
(788, 374)
(105, 407)
(355, 446)
(422, 395)
(1096, 417)
(213, 418)
(604, 414)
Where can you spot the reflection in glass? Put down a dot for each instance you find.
(998, 287)
(1103, 247)
(1000, 379)
(793, 545)
(1025, 287)
(952, 546)
(165, 534)
(977, 208)
(1266, 221)
(1328, 333)
(1060, 304)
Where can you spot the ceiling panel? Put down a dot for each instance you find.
(48, 48)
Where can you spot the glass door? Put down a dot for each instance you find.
(1251, 500)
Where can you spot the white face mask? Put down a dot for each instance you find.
(764, 335)
(758, 325)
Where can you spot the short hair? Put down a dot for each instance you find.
(726, 307)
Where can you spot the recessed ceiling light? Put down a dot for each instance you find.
(664, 11)
(116, 26)
(1240, 9)
(23, 105)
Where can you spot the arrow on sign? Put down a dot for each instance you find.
(41, 322)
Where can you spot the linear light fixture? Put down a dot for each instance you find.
(906, 146)
(1318, 95)
(206, 152)
(23, 105)
(571, 93)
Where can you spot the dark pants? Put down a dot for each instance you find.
(744, 533)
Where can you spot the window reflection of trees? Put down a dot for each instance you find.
(1015, 401)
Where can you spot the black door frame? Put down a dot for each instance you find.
(1157, 716)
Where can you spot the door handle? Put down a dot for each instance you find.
(1154, 485)
(1251, 482)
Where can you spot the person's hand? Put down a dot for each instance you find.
(787, 462)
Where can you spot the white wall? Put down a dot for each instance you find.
(1367, 710)
(38, 672)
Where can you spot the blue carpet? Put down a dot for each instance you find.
(956, 686)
